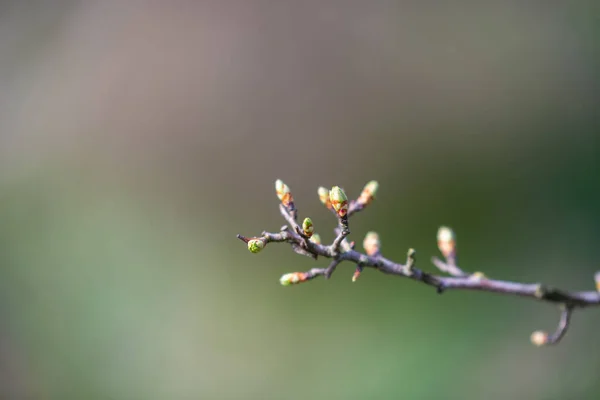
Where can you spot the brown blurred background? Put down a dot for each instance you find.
(137, 138)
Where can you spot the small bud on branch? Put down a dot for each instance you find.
(307, 227)
(324, 197)
(357, 273)
(539, 338)
(446, 240)
(292, 278)
(284, 194)
(368, 193)
(315, 238)
(256, 245)
(339, 201)
(371, 243)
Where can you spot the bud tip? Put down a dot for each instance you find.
(315, 238)
(307, 227)
(371, 243)
(539, 338)
(339, 200)
(256, 245)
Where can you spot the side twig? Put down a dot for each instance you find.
(305, 241)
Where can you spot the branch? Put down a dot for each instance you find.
(306, 242)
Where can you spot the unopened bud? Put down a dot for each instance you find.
(446, 242)
(345, 246)
(292, 278)
(315, 238)
(368, 193)
(256, 245)
(371, 243)
(357, 272)
(307, 227)
(283, 193)
(539, 338)
(478, 276)
(597, 279)
(324, 196)
(339, 201)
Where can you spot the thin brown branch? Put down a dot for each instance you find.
(340, 250)
(447, 267)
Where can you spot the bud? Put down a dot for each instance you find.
(292, 278)
(368, 192)
(371, 243)
(357, 272)
(345, 246)
(256, 245)
(446, 242)
(283, 193)
(324, 197)
(597, 279)
(539, 338)
(477, 276)
(315, 238)
(339, 201)
(307, 227)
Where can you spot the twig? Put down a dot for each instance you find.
(340, 250)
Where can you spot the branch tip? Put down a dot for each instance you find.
(539, 338)
(368, 193)
(243, 238)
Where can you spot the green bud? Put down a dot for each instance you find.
(315, 238)
(307, 227)
(323, 194)
(445, 234)
(283, 193)
(368, 193)
(292, 278)
(371, 243)
(446, 240)
(339, 200)
(256, 245)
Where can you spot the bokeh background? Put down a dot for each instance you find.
(138, 138)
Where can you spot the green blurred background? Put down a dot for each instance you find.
(138, 138)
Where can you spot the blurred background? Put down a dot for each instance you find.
(138, 138)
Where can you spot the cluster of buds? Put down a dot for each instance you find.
(293, 278)
(371, 244)
(368, 193)
(256, 245)
(284, 194)
(539, 338)
(324, 197)
(307, 227)
(446, 240)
